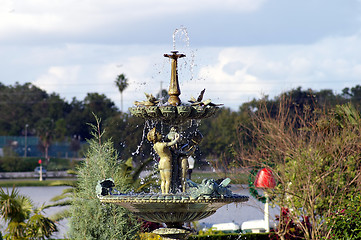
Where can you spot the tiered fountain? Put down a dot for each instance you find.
(181, 200)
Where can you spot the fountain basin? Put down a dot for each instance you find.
(173, 114)
(172, 208)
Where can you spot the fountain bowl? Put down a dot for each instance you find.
(172, 208)
(173, 115)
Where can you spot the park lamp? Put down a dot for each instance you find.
(265, 180)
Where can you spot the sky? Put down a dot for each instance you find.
(236, 49)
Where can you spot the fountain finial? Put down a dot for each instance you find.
(174, 90)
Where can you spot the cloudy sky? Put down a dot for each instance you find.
(236, 49)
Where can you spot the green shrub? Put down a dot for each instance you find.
(21, 164)
(345, 222)
(90, 219)
(17, 164)
(59, 164)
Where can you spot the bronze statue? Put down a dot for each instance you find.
(186, 151)
(165, 155)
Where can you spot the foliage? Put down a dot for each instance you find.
(45, 129)
(315, 156)
(17, 164)
(22, 219)
(215, 236)
(223, 136)
(21, 164)
(26, 104)
(91, 219)
(61, 164)
(292, 230)
(131, 175)
(345, 221)
(127, 172)
(122, 83)
(127, 134)
(231, 236)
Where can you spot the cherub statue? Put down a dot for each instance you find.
(186, 151)
(172, 134)
(165, 155)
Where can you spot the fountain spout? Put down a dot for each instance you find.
(174, 90)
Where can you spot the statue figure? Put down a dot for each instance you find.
(186, 151)
(165, 155)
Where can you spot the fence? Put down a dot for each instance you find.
(33, 149)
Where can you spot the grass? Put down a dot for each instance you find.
(33, 183)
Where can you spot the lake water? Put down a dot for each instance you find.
(237, 213)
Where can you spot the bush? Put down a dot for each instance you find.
(232, 236)
(21, 164)
(345, 223)
(90, 219)
(59, 164)
(218, 236)
(17, 164)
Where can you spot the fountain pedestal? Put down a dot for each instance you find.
(172, 233)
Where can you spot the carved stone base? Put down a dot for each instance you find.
(172, 233)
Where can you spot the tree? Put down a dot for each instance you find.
(122, 83)
(82, 113)
(23, 220)
(100, 105)
(46, 130)
(127, 134)
(353, 95)
(315, 156)
(90, 218)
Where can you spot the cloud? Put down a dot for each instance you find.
(236, 49)
(42, 19)
(230, 75)
(241, 73)
(59, 79)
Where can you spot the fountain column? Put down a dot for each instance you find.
(174, 90)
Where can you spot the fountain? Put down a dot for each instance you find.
(180, 200)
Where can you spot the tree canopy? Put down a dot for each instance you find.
(26, 104)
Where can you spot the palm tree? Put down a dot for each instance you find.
(122, 83)
(23, 220)
(45, 129)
